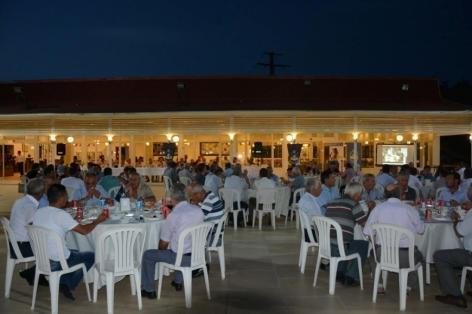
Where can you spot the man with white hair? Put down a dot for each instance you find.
(370, 194)
(348, 212)
(308, 203)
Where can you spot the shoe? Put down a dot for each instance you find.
(324, 267)
(29, 279)
(150, 295)
(43, 281)
(197, 273)
(452, 300)
(177, 286)
(340, 278)
(66, 292)
(351, 282)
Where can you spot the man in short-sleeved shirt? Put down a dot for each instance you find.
(183, 216)
(74, 183)
(454, 194)
(329, 191)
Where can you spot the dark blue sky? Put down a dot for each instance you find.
(82, 39)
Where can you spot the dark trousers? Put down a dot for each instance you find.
(448, 264)
(20, 168)
(350, 268)
(26, 251)
(71, 280)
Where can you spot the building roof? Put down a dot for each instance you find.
(168, 94)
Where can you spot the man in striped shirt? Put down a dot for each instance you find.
(347, 212)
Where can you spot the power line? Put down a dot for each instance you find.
(271, 64)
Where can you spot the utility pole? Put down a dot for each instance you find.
(271, 64)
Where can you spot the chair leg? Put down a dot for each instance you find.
(110, 292)
(244, 217)
(9, 276)
(260, 215)
(403, 278)
(463, 278)
(303, 256)
(317, 268)
(286, 219)
(132, 284)
(361, 277)
(87, 288)
(297, 219)
(35, 288)
(272, 215)
(254, 213)
(333, 267)
(54, 289)
(384, 279)
(207, 282)
(96, 278)
(137, 280)
(221, 257)
(420, 282)
(376, 283)
(428, 273)
(235, 219)
(187, 274)
(159, 284)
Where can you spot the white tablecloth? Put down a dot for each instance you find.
(144, 171)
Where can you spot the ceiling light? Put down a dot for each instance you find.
(175, 138)
(415, 137)
(147, 143)
(289, 137)
(399, 138)
(70, 139)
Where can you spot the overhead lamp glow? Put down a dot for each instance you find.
(231, 135)
(399, 138)
(415, 136)
(147, 143)
(52, 137)
(289, 137)
(355, 136)
(70, 139)
(240, 156)
(366, 142)
(175, 138)
(106, 143)
(127, 144)
(470, 137)
(109, 137)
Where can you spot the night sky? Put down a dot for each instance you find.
(93, 39)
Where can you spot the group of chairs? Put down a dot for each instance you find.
(388, 237)
(118, 253)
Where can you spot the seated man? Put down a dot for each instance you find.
(454, 194)
(74, 183)
(347, 212)
(53, 217)
(108, 181)
(22, 214)
(212, 206)
(370, 194)
(385, 178)
(184, 215)
(329, 191)
(449, 262)
(308, 203)
(94, 192)
(138, 189)
(263, 182)
(238, 182)
(297, 183)
(407, 193)
(394, 212)
(213, 179)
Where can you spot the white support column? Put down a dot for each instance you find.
(356, 157)
(234, 147)
(436, 150)
(285, 163)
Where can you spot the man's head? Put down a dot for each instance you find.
(36, 188)
(468, 173)
(328, 178)
(453, 180)
(48, 181)
(386, 169)
(196, 193)
(57, 196)
(368, 181)
(354, 191)
(107, 171)
(178, 194)
(313, 186)
(402, 179)
(393, 191)
(90, 180)
(296, 172)
(134, 180)
(237, 170)
(263, 173)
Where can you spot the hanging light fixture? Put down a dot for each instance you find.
(415, 136)
(399, 138)
(175, 138)
(70, 139)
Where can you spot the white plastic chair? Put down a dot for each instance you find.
(304, 245)
(11, 262)
(70, 192)
(127, 244)
(464, 276)
(199, 236)
(389, 238)
(417, 192)
(168, 185)
(185, 180)
(439, 191)
(113, 191)
(324, 226)
(282, 200)
(297, 195)
(40, 237)
(218, 244)
(231, 196)
(266, 198)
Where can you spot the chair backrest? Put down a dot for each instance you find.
(10, 238)
(297, 195)
(113, 191)
(324, 225)
(417, 192)
(356, 179)
(70, 192)
(282, 200)
(305, 223)
(439, 191)
(126, 243)
(185, 180)
(41, 238)
(389, 237)
(219, 227)
(266, 197)
(168, 183)
(198, 235)
(230, 196)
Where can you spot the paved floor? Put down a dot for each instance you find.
(262, 277)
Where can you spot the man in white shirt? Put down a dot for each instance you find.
(238, 182)
(370, 194)
(264, 182)
(183, 216)
(213, 180)
(54, 218)
(448, 261)
(454, 195)
(308, 203)
(395, 212)
(329, 191)
(74, 184)
(22, 214)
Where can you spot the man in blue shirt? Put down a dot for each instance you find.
(329, 191)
